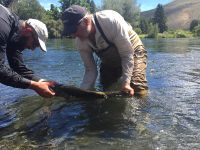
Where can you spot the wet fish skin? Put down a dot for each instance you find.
(66, 91)
(111, 94)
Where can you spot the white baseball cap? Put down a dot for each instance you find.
(41, 30)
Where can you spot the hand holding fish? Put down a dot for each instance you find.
(43, 88)
(128, 89)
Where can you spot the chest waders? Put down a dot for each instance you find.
(111, 68)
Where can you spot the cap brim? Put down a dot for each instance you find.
(42, 45)
(69, 30)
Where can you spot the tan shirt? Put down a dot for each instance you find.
(116, 30)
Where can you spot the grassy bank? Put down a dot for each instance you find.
(170, 34)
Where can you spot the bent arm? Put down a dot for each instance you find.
(16, 62)
(8, 76)
(126, 52)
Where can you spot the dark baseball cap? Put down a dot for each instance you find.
(71, 18)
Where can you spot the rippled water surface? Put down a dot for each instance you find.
(168, 118)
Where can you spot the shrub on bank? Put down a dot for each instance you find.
(172, 34)
(197, 31)
(169, 34)
(153, 31)
(180, 34)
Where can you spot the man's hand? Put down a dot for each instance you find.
(43, 88)
(127, 89)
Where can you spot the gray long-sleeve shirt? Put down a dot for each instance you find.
(116, 29)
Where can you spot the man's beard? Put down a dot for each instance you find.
(18, 42)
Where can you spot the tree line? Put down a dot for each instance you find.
(129, 9)
(26, 9)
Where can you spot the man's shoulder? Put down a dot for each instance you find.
(108, 13)
(109, 16)
(7, 16)
(5, 12)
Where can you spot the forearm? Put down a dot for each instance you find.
(16, 62)
(126, 53)
(33, 77)
(11, 78)
(89, 79)
(90, 74)
(127, 70)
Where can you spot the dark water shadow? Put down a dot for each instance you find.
(48, 123)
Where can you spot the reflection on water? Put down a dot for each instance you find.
(60, 122)
(168, 118)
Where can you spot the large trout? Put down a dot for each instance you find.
(62, 90)
(66, 91)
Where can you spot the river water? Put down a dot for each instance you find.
(168, 118)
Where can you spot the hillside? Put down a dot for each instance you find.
(179, 13)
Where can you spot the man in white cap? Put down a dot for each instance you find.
(15, 36)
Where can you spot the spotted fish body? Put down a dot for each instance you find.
(66, 91)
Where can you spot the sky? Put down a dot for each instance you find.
(151, 4)
(144, 4)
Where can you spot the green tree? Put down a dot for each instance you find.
(153, 30)
(131, 12)
(53, 22)
(160, 18)
(92, 6)
(193, 24)
(54, 27)
(26, 9)
(67, 3)
(127, 8)
(144, 26)
(54, 12)
(29, 9)
(114, 5)
(197, 30)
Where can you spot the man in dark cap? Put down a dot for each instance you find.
(15, 36)
(120, 49)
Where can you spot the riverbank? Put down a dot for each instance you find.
(170, 34)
